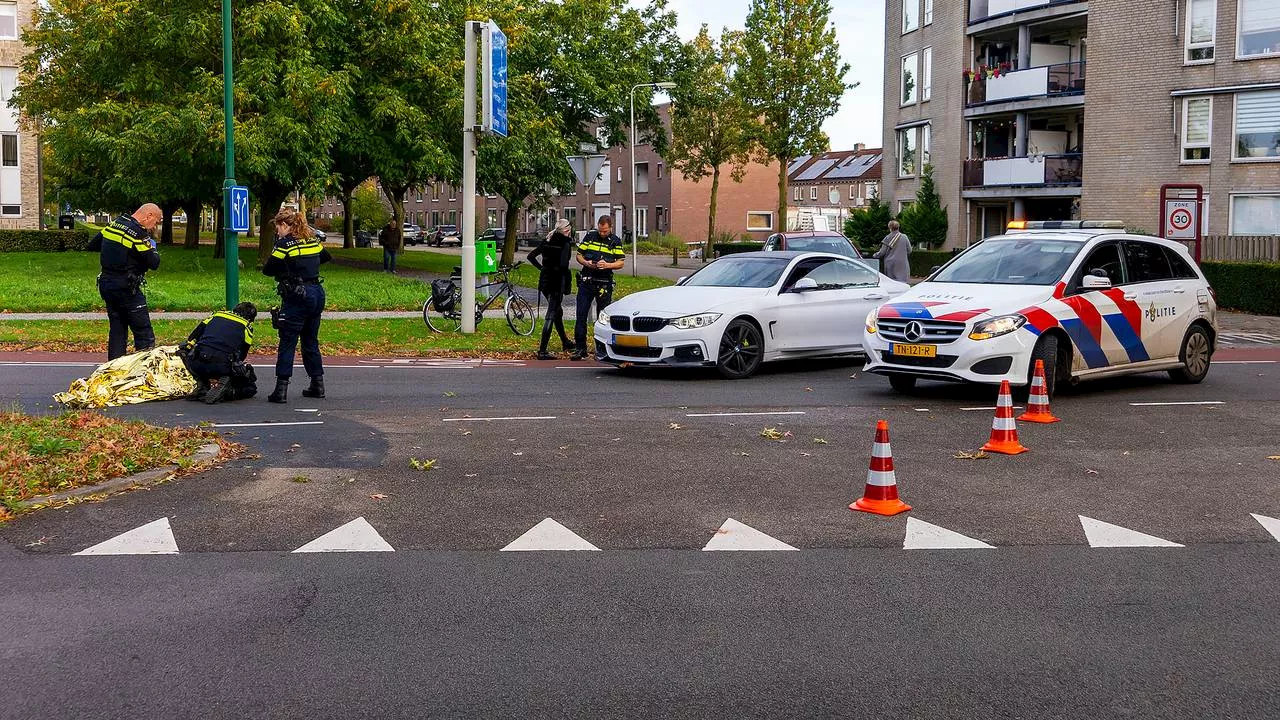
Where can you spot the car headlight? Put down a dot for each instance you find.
(602, 318)
(995, 327)
(693, 322)
(873, 321)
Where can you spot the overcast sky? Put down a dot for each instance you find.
(860, 30)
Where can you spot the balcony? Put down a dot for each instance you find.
(984, 10)
(1022, 87)
(1035, 171)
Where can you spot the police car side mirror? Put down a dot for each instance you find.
(1093, 282)
(804, 285)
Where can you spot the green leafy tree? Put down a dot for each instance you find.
(867, 226)
(710, 125)
(366, 208)
(925, 220)
(792, 79)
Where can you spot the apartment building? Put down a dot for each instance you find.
(832, 185)
(1178, 92)
(19, 151)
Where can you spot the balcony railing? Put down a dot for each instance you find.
(1045, 81)
(982, 10)
(1064, 170)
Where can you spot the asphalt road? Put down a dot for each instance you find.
(851, 625)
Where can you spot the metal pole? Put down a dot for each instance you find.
(470, 37)
(231, 241)
(635, 214)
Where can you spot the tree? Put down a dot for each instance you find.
(366, 207)
(792, 79)
(710, 125)
(866, 227)
(925, 220)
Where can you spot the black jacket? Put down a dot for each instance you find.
(125, 248)
(294, 259)
(222, 334)
(555, 270)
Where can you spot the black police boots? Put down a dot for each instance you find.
(218, 389)
(280, 394)
(316, 390)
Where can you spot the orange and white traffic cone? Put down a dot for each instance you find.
(881, 493)
(1004, 431)
(1038, 401)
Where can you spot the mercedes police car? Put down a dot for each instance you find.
(1083, 296)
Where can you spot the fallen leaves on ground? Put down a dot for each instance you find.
(971, 455)
(771, 434)
(300, 479)
(820, 441)
(1273, 457)
(675, 426)
(378, 496)
(451, 394)
(1090, 472)
(422, 465)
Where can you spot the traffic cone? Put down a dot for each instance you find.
(881, 494)
(1004, 431)
(1038, 401)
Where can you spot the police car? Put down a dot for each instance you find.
(1083, 296)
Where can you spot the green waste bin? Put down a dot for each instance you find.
(486, 257)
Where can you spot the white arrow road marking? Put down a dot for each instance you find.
(356, 536)
(1103, 534)
(549, 535)
(154, 538)
(734, 535)
(1271, 524)
(927, 536)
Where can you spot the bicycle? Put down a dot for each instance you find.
(442, 312)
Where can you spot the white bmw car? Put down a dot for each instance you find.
(743, 310)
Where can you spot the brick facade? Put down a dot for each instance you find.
(27, 173)
(832, 184)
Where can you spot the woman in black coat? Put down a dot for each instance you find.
(554, 281)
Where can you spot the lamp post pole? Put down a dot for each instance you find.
(230, 239)
(635, 212)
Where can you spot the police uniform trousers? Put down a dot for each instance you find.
(300, 321)
(601, 293)
(126, 310)
(206, 366)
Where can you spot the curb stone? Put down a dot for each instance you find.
(206, 452)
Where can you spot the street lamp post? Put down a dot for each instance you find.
(230, 239)
(635, 212)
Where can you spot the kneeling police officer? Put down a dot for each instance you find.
(215, 353)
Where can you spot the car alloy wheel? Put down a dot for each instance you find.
(741, 350)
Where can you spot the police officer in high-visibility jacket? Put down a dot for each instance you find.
(295, 264)
(215, 353)
(127, 251)
(599, 254)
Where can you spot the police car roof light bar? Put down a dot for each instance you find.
(1066, 225)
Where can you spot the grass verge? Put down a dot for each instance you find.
(40, 455)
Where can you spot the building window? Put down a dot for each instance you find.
(9, 150)
(853, 192)
(657, 219)
(602, 180)
(910, 15)
(571, 214)
(903, 205)
(873, 189)
(492, 218)
(907, 153)
(420, 196)
(759, 220)
(1197, 129)
(1257, 133)
(1202, 22)
(659, 171)
(1258, 29)
(8, 22)
(435, 192)
(797, 194)
(909, 86)
(619, 174)
(642, 177)
(453, 193)
(813, 193)
(642, 222)
(928, 12)
(453, 217)
(925, 137)
(1255, 214)
(435, 218)
(926, 74)
(8, 82)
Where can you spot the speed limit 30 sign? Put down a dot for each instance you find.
(1181, 219)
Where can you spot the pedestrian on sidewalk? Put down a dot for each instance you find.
(895, 252)
(295, 264)
(387, 239)
(215, 353)
(554, 281)
(599, 254)
(127, 251)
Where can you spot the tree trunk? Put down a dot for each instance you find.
(193, 209)
(781, 225)
(511, 223)
(271, 199)
(252, 205)
(219, 242)
(348, 224)
(166, 227)
(711, 220)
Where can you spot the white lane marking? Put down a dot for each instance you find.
(51, 364)
(1104, 534)
(927, 536)
(922, 410)
(734, 535)
(1185, 402)
(744, 414)
(356, 536)
(1243, 362)
(154, 538)
(307, 410)
(582, 367)
(987, 408)
(1272, 525)
(268, 424)
(548, 535)
(496, 419)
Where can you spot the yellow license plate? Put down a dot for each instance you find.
(641, 341)
(924, 351)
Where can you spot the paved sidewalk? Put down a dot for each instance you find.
(329, 315)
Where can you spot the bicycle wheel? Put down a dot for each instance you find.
(440, 322)
(520, 315)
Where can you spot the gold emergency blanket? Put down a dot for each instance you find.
(156, 374)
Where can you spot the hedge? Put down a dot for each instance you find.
(924, 261)
(722, 249)
(1246, 286)
(44, 240)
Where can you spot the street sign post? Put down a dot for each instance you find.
(239, 204)
(495, 80)
(1180, 214)
(230, 240)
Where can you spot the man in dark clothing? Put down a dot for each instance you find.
(295, 264)
(215, 353)
(599, 254)
(554, 281)
(127, 252)
(387, 239)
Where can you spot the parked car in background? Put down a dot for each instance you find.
(365, 238)
(319, 234)
(412, 234)
(818, 241)
(441, 234)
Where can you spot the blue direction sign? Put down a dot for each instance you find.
(239, 208)
(495, 81)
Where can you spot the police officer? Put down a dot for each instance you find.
(295, 264)
(127, 251)
(215, 353)
(599, 254)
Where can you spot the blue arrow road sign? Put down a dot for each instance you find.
(495, 81)
(239, 208)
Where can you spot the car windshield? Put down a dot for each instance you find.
(833, 245)
(753, 272)
(1012, 261)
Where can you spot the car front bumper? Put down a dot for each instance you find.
(666, 346)
(1007, 357)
